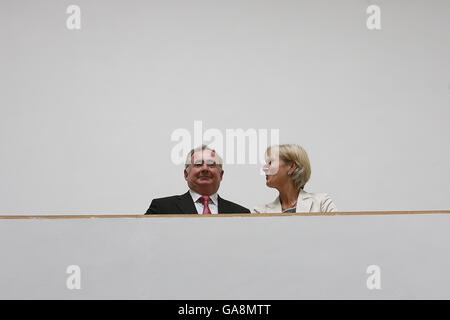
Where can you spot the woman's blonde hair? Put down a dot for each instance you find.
(292, 153)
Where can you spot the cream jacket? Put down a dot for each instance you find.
(306, 202)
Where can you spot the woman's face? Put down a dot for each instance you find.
(276, 172)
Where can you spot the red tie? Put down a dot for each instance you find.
(205, 200)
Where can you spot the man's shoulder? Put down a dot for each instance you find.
(230, 207)
(170, 204)
(169, 198)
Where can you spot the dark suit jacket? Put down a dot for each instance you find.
(183, 204)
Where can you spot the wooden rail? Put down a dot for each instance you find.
(114, 216)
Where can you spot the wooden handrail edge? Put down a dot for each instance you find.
(115, 216)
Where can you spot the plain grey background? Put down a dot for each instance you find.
(253, 257)
(86, 115)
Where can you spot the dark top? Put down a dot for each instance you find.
(183, 204)
(291, 210)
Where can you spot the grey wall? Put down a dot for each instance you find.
(86, 115)
(227, 257)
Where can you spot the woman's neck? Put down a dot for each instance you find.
(288, 195)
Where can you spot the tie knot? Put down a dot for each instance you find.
(204, 199)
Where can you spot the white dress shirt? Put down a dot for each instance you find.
(212, 204)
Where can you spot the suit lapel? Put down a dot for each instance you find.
(186, 204)
(220, 205)
(275, 207)
(304, 202)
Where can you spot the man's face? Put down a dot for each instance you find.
(204, 173)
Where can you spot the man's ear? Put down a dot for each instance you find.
(221, 174)
(185, 174)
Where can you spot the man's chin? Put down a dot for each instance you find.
(205, 188)
(205, 184)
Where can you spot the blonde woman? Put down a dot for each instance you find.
(288, 170)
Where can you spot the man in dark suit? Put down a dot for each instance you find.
(203, 173)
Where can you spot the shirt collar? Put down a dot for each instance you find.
(195, 196)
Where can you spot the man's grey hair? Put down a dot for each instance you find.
(201, 148)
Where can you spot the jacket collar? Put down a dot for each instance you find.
(304, 203)
(185, 204)
(195, 196)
